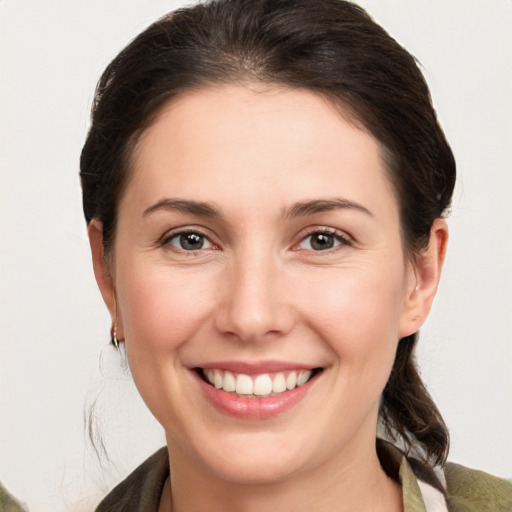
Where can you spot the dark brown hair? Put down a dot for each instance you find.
(331, 47)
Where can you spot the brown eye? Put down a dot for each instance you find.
(321, 241)
(190, 241)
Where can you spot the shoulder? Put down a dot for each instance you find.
(7, 502)
(141, 490)
(470, 490)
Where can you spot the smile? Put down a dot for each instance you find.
(256, 386)
(255, 391)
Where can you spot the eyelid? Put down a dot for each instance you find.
(344, 238)
(184, 230)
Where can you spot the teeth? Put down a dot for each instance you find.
(217, 379)
(279, 383)
(262, 385)
(244, 385)
(229, 383)
(303, 377)
(291, 380)
(259, 385)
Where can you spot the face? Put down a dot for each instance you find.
(260, 280)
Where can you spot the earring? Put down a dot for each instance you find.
(113, 336)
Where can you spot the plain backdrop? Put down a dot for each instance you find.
(55, 361)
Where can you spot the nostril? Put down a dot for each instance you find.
(255, 324)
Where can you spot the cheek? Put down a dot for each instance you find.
(357, 312)
(359, 321)
(160, 310)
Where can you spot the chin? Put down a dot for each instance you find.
(256, 471)
(252, 459)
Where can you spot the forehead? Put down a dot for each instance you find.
(248, 142)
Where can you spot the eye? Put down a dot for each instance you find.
(188, 241)
(322, 241)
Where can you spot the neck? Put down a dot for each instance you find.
(344, 483)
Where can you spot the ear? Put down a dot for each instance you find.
(103, 273)
(423, 280)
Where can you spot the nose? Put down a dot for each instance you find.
(254, 303)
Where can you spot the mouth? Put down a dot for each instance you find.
(263, 385)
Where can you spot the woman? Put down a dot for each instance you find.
(265, 184)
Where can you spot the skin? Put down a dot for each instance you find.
(259, 290)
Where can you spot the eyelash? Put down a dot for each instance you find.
(340, 239)
(166, 240)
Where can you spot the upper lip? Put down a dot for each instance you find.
(252, 367)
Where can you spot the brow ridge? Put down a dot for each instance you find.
(184, 205)
(313, 206)
(300, 209)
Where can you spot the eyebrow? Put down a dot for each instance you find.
(185, 206)
(304, 208)
(300, 209)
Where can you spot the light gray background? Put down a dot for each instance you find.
(54, 327)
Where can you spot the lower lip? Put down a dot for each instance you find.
(254, 408)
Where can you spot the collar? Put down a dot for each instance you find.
(423, 488)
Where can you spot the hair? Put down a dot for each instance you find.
(331, 47)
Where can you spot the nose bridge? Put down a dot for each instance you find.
(254, 305)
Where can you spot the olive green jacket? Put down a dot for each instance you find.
(8, 503)
(453, 488)
(465, 490)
